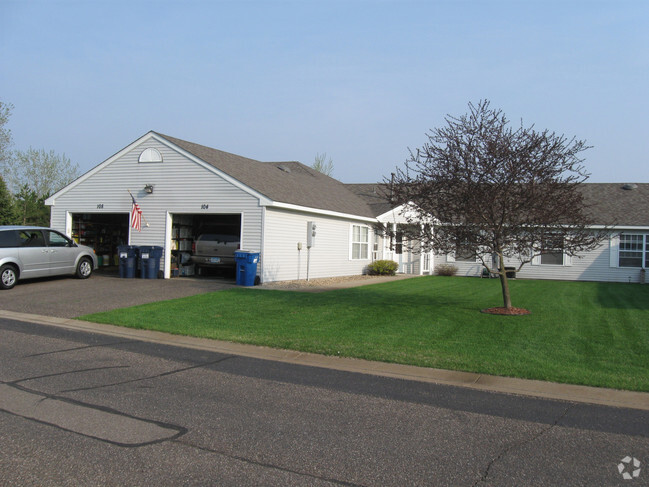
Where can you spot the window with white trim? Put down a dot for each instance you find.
(464, 251)
(552, 253)
(634, 250)
(360, 242)
(465, 254)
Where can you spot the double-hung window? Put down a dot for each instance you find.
(465, 254)
(634, 250)
(552, 253)
(360, 242)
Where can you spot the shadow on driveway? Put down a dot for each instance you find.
(68, 297)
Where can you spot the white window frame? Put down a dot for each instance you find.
(566, 260)
(360, 243)
(426, 259)
(643, 250)
(150, 155)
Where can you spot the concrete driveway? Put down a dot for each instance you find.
(68, 297)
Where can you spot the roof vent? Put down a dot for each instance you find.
(629, 186)
(284, 168)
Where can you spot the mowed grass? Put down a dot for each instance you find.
(579, 332)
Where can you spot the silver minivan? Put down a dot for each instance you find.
(27, 252)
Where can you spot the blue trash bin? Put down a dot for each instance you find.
(150, 261)
(128, 255)
(246, 267)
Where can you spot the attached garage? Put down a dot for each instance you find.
(104, 232)
(204, 244)
(192, 197)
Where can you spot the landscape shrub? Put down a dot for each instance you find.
(382, 268)
(446, 270)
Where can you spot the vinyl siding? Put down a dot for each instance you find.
(181, 186)
(591, 266)
(330, 256)
(471, 269)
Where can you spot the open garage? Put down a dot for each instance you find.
(104, 232)
(204, 245)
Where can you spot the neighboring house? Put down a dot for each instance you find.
(623, 257)
(184, 188)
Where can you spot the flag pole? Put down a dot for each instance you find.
(146, 223)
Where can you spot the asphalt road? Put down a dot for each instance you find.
(83, 409)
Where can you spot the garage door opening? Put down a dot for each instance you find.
(204, 245)
(104, 232)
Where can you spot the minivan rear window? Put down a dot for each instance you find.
(8, 239)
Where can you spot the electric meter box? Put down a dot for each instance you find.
(310, 234)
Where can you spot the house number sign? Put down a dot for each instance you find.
(100, 206)
(204, 207)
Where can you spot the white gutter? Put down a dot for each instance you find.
(306, 209)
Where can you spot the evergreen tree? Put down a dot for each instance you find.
(7, 215)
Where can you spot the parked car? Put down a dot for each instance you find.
(215, 249)
(28, 252)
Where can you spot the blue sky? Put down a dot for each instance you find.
(360, 80)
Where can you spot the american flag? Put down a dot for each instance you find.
(136, 216)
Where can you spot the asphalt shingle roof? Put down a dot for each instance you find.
(375, 195)
(613, 204)
(297, 184)
(610, 203)
(285, 182)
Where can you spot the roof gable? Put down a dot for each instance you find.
(290, 184)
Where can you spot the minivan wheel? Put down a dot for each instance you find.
(84, 269)
(8, 276)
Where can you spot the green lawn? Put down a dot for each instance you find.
(579, 332)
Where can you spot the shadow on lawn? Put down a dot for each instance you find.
(426, 294)
(615, 295)
(385, 295)
(364, 298)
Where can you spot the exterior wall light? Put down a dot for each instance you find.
(148, 188)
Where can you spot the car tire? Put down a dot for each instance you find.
(8, 276)
(84, 268)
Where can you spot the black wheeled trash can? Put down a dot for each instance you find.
(127, 260)
(150, 261)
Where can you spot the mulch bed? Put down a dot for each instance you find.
(506, 311)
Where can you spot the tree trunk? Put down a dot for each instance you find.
(504, 283)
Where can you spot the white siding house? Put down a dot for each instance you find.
(623, 257)
(180, 186)
(601, 264)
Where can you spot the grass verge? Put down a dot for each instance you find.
(587, 333)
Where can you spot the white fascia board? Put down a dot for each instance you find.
(398, 214)
(263, 199)
(306, 209)
(621, 227)
(389, 216)
(51, 201)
